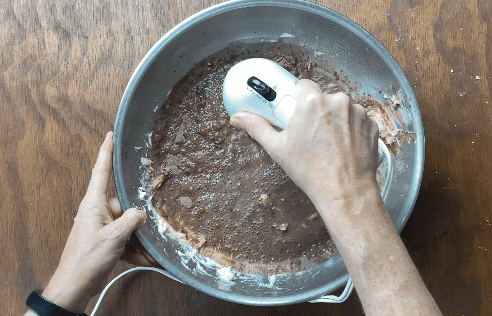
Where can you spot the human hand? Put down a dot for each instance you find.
(329, 148)
(101, 234)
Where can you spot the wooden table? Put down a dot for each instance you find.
(64, 65)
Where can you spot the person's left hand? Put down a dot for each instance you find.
(101, 234)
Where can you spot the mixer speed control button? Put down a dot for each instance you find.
(262, 88)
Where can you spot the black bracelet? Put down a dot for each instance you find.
(44, 307)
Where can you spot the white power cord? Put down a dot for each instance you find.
(325, 299)
(337, 299)
(126, 272)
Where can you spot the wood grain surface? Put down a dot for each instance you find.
(64, 65)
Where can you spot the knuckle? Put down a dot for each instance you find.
(362, 114)
(308, 85)
(360, 109)
(312, 100)
(307, 91)
(340, 98)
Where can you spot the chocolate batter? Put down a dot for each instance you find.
(218, 187)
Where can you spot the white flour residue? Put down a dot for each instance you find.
(225, 274)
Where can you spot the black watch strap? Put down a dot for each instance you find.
(43, 307)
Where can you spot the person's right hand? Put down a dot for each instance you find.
(329, 148)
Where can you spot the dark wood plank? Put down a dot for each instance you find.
(65, 64)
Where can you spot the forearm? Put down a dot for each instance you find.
(383, 273)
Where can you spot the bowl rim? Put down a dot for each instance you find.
(201, 16)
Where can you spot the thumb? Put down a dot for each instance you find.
(259, 129)
(128, 222)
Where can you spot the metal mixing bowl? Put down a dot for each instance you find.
(351, 48)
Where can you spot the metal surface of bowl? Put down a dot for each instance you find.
(351, 48)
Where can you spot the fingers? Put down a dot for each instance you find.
(122, 228)
(132, 256)
(305, 87)
(102, 169)
(312, 102)
(309, 105)
(259, 129)
(308, 93)
(338, 99)
(115, 207)
(135, 244)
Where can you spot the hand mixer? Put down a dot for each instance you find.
(263, 87)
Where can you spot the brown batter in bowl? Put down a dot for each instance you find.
(218, 188)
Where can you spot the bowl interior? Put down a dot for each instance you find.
(350, 48)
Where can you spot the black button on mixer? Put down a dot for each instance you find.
(262, 88)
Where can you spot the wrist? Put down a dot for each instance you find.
(327, 192)
(67, 296)
(347, 202)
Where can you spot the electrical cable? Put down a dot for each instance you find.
(164, 272)
(325, 299)
(337, 299)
